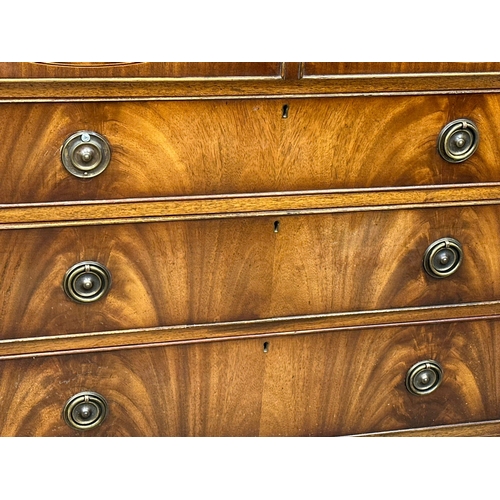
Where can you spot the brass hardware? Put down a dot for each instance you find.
(86, 154)
(458, 140)
(443, 257)
(87, 281)
(424, 377)
(85, 410)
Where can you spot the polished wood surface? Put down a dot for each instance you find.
(469, 429)
(65, 214)
(231, 69)
(147, 89)
(309, 385)
(360, 68)
(266, 328)
(137, 69)
(151, 392)
(244, 269)
(345, 383)
(265, 226)
(208, 148)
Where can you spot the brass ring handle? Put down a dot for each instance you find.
(85, 410)
(443, 257)
(87, 281)
(458, 140)
(86, 154)
(424, 377)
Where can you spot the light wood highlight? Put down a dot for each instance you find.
(112, 89)
(14, 216)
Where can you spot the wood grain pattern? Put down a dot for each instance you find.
(232, 270)
(147, 89)
(209, 148)
(151, 392)
(367, 68)
(137, 69)
(469, 429)
(312, 385)
(264, 224)
(66, 214)
(345, 383)
(266, 328)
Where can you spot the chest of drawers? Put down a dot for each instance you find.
(245, 249)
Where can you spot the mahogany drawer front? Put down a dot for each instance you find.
(178, 148)
(192, 272)
(347, 383)
(394, 68)
(318, 385)
(137, 69)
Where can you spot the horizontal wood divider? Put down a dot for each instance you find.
(260, 204)
(470, 429)
(295, 325)
(108, 89)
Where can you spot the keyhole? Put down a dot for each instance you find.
(284, 113)
(276, 226)
(266, 346)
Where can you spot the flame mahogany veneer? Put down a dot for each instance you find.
(264, 226)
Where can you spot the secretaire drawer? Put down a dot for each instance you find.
(186, 272)
(315, 69)
(177, 148)
(132, 70)
(320, 385)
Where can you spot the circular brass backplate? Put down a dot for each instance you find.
(424, 377)
(85, 410)
(86, 154)
(458, 140)
(87, 281)
(443, 257)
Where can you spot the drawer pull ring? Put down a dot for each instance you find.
(87, 282)
(424, 377)
(443, 257)
(86, 154)
(85, 410)
(458, 140)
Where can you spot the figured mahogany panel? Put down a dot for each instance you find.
(137, 69)
(243, 146)
(176, 391)
(354, 382)
(367, 68)
(161, 274)
(192, 272)
(309, 385)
